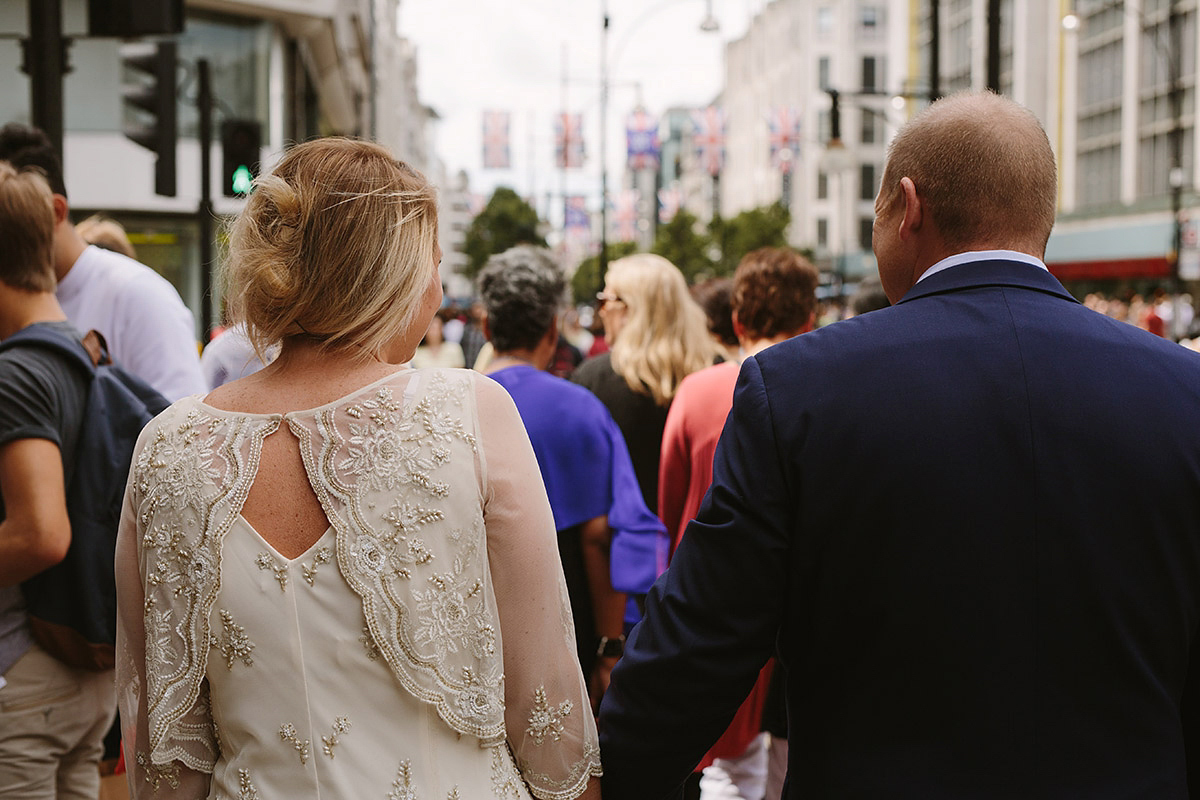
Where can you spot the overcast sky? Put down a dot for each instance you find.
(474, 56)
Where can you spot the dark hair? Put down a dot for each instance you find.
(715, 296)
(522, 290)
(869, 297)
(23, 146)
(774, 292)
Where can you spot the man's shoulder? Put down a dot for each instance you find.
(33, 359)
(120, 274)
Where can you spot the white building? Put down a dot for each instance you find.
(1115, 216)
(794, 52)
(1098, 75)
(301, 68)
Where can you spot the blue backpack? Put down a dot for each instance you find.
(72, 606)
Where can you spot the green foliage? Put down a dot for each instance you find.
(681, 242)
(586, 280)
(748, 231)
(507, 220)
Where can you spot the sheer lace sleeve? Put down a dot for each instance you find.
(174, 781)
(547, 714)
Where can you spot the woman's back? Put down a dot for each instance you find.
(390, 620)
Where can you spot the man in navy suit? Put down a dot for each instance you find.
(969, 523)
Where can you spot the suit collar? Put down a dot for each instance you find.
(989, 272)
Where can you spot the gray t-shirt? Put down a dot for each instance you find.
(42, 396)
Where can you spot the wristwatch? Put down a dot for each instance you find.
(611, 648)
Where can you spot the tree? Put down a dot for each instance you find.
(507, 220)
(749, 230)
(586, 280)
(680, 242)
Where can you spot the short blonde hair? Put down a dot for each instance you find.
(983, 165)
(106, 233)
(665, 335)
(336, 243)
(26, 230)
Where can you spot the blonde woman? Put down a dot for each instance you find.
(338, 577)
(657, 336)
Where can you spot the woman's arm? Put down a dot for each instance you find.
(550, 726)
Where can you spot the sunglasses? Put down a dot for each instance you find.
(607, 297)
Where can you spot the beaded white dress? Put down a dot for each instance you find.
(421, 648)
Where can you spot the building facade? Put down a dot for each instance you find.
(794, 56)
(1130, 154)
(300, 68)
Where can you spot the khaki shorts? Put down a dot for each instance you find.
(53, 720)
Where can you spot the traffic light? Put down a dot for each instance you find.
(130, 18)
(148, 88)
(241, 143)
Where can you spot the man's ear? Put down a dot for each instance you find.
(61, 209)
(739, 330)
(914, 209)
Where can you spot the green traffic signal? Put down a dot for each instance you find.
(242, 178)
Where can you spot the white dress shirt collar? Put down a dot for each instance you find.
(982, 255)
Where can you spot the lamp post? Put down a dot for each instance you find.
(709, 24)
(1175, 176)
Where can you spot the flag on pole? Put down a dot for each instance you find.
(625, 218)
(709, 138)
(784, 124)
(495, 140)
(576, 220)
(669, 199)
(641, 140)
(568, 141)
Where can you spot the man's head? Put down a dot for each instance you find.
(774, 295)
(973, 171)
(522, 291)
(23, 146)
(26, 230)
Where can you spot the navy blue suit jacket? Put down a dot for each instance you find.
(970, 524)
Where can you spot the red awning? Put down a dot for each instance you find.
(1117, 269)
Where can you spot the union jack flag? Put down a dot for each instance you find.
(709, 138)
(669, 199)
(785, 137)
(641, 140)
(625, 218)
(568, 141)
(576, 220)
(495, 140)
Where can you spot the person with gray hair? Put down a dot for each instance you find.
(605, 529)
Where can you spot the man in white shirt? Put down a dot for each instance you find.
(149, 330)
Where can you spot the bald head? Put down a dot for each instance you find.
(984, 170)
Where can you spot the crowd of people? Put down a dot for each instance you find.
(941, 542)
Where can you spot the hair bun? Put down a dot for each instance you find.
(280, 209)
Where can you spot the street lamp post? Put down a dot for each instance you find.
(603, 260)
(1175, 176)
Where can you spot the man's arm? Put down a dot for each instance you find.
(608, 605)
(35, 532)
(711, 620)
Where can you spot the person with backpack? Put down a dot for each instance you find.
(53, 717)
